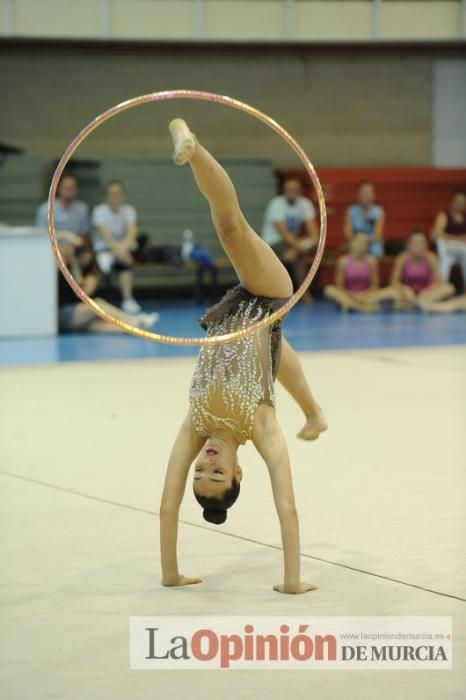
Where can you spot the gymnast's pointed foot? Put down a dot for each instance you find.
(184, 141)
(314, 426)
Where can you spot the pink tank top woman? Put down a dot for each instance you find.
(357, 274)
(417, 275)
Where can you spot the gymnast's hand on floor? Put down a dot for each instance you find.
(295, 588)
(180, 580)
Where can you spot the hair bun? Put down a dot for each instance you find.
(215, 516)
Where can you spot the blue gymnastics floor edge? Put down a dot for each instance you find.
(308, 327)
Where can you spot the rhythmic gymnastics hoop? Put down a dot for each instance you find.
(208, 97)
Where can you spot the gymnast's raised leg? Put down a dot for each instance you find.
(258, 268)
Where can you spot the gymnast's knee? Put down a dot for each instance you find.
(229, 226)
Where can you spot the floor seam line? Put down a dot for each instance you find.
(225, 534)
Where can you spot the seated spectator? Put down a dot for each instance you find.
(114, 234)
(366, 217)
(357, 279)
(73, 315)
(82, 264)
(416, 278)
(71, 216)
(449, 232)
(284, 218)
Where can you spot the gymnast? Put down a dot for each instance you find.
(231, 395)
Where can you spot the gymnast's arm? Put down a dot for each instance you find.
(270, 443)
(186, 446)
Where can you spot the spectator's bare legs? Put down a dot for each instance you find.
(348, 301)
(100, 326)
(291, 377)
(405, 298)
(125, 278)
(84, 318)
(456, 304)
(257, 266)
(375, 296)
(434, 293)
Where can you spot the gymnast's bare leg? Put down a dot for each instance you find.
(255, 263)
(291, 377)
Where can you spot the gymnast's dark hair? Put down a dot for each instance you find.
(215, 509)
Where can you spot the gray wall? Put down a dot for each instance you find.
(449, 113)
(345, 109)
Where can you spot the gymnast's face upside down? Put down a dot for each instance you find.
(217, 477)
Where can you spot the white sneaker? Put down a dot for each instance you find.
(146, 321)
(130, 306)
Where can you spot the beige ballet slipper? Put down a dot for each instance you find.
(184, 141)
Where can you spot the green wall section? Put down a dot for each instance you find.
(165, 196)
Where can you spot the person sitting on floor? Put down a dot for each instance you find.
(449, 232)
(356, 284)
(416, 278)
(76, 317)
